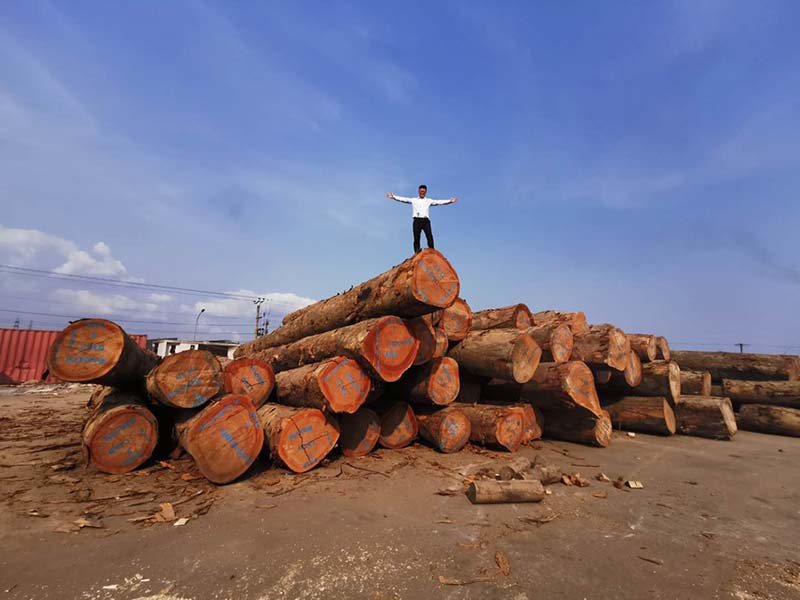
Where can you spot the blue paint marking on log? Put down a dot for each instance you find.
(406, 342)
(132, 458)
(390, 354)
(199, 399)
(335, 369)
(235, 446)
(341, 387)
(427, 270)
(446, 372)
(354, 383)
(247, 384)
(447, 293)
(118, 446)
(259, 379)
(120, 428)
(300, 432)
(215, 418)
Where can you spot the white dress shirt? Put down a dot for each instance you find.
(421, 206)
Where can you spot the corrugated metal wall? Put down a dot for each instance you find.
(23, 354)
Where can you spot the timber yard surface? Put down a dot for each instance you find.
(714, 520)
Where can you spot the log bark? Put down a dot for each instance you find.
(576, 321)
(495, 426)
(385, 347)
(579, 427)
(645, 346)
(707, 417)
(187, 379)
(447, 430)
(436, 382)
(633, 370)
(457, 320)
(337, 385)
(647, 414)
(98, 351)
(249, 376)
(298, 438)
(695, 383)
(359, 432)
(419, 285)
(556, 342)
(553, 386)
(224, 438)
(733, 365)
(498, 492)
(778, 420)
(121, 433)
(664, 352)
(659, 378)
(517, 316)
(399, 425)
(777, 393)
(505, 353)
(602, 344)
(425, 334)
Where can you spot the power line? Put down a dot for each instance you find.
(113, 317)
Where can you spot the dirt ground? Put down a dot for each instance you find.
(714, 520)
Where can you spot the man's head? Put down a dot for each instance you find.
(423, 189)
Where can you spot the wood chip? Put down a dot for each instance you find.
(502, 562)
(475, 546)
(600, 494)
(167, 512)
(634, 485)
(445, 521)
(449, 581)
(539, 520)
(655, 561)
(602, 477)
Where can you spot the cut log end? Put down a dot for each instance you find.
(86, 350)
(525, 358)
(674, 381)
(390, 348)
(344, 384)
(561, 342)
(645, 346)
(425, 334)
(619, 349)
(399, 426)
(444, 381)
(359, 432)
(531, 424)
(457, 320)
(633, 370)
(579, 384)
(510, 429)
(252, 377)
(448, 430)
(435, 280)
(441, 342)
(664, 352)
(121, 439)
(307, 438)
(187, 379)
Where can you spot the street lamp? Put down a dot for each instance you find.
(196, 321)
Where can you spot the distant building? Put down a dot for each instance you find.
(166, 346)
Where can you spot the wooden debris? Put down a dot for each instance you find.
(497, 492)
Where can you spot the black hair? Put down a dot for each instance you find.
(423, 187)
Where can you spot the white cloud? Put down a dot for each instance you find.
(93, 303)
(160, 297)
(274, 302)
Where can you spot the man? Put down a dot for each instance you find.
(420, 206)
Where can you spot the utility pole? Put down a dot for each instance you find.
(741, 347)
(16, 323)
(196, 321)
(258, 302)
(30, 324)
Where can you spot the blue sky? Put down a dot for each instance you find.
(638, 161)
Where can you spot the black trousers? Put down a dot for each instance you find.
(422, 224)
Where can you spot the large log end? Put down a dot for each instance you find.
(344, 384)
(187, 379)
(399, 426)
(448, 429)
(86, 350)
(435, 282)
(251, 377)
(457, 320)
(525, 358)
(390, 348)
(120, 439)
(306, 439)
(359, 432)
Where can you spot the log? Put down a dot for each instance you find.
(556, 342)
(717, 390)
(695, 383)
(776, 393)
(457, 320)
(576, 321)
(442, 343)
(337, 385)
(496, 426)
(659, 378)
(579, 427)
(434, 317)
(419, 285)
(733, 365)
(187, 379)
(121, 433)
(249, 376)
(553, 386)
(469, 388)
(359, 432)
(447, 430)
(517, 316)
(647, 414)
(778, 420)
(385, 347)
(705, 416)
(602, 344)
(531, 424)
(298, 438)
(399, 425)
(505, 353)
(224, 438)
(425, 334)
(645, 346)
(498, 492)
(98, 351)
(602, 375)
(436, 382)
(664, 352)
(633, 370)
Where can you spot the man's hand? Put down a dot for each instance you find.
(453, 200)
(390, 195)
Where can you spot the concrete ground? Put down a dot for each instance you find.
(714, 520)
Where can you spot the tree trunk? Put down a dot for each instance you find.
(732, 365)
(419, 285)
(498, 492)
(602, 344)
(645, 346)
(121, 433)
(447, 430)
(359, 432)
(385, 347)
(579, 427)
(517, 316)
(298, 438)
(496, 426)
(576, 321)
(399, 425)
(457, 320)
(695, 383)
(778, 420)
(224, 438)
(633, 370)
(338, 385)
(707, 417)
(776, 393)
(442, 343)
(249, 376)
(425, 334)
(187, 379)
(505, 353)
(532, 423)
(436, 382)
(647, 414)
(659, 378)
(98, 351)
(556, 342)
(664, 352)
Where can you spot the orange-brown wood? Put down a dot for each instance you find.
(579, 427)
(602, 375)
(434, 317)
(187, 379)
(495, 426)
(633, 370)
(399, 425)
(664, 352)
(359, 432)
(298, 438)
(517, 316)
(645, 346)
(457, 320)
(576, 321)
(337, 384)
(707, 417)
(745, 366)
(532, 428)
(659, 378)
(505, 353)
(602, 344)
(556, 341)
(447, 430)
(778, 420)
(425, 334)
(695, 383)
(646, 414)
(442, 343)
(436, 382)
(252, 377)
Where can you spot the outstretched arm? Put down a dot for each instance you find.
(398, 198)
(441, 202)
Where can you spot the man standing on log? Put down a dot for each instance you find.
(421, 206)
